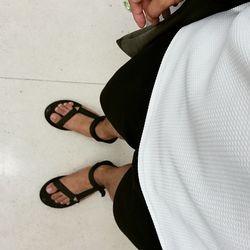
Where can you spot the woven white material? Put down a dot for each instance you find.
(194, 157)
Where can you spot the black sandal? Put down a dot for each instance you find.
(74, 198)
(77, 108)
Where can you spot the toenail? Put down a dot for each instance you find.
(49, 190)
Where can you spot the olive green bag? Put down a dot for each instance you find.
(190, 11)
(134, 42)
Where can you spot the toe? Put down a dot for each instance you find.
(62, 110)
(51, 188)
(62, 199)
(58, 196)
(65, 201)
(55, 117)
(68, 105)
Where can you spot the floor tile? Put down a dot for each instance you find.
(62, 40)
(32, 152)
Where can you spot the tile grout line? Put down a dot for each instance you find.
(46, 80)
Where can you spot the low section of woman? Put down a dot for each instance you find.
(187, 186)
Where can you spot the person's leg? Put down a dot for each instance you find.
(81, 123)
(77, 182)
(126, 96)
(131, 212)
(130, 209)
(128, 92)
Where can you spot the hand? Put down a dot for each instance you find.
(150, 10)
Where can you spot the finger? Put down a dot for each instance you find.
(137, 11)
(157, 7)
(145, 5)
(166, 13)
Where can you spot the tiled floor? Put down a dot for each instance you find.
(69, 51)
(62, 40)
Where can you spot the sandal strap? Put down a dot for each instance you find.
(62, 188)
(74, 198)
(64, 119)
(85, 193)
(92, 130)
(72, 112)
(88, 113)
(92, 180)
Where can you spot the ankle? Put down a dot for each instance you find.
(104, 131)
(101, 175)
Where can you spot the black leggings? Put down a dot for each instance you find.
(125, 102)
(126, 96)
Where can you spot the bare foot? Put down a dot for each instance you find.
(76, 183)
(78, 123)
(81, 123)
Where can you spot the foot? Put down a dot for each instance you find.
(77, 182)
(79, 122)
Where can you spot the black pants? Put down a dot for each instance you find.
(125, 101)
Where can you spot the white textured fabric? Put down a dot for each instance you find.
(194, 157)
